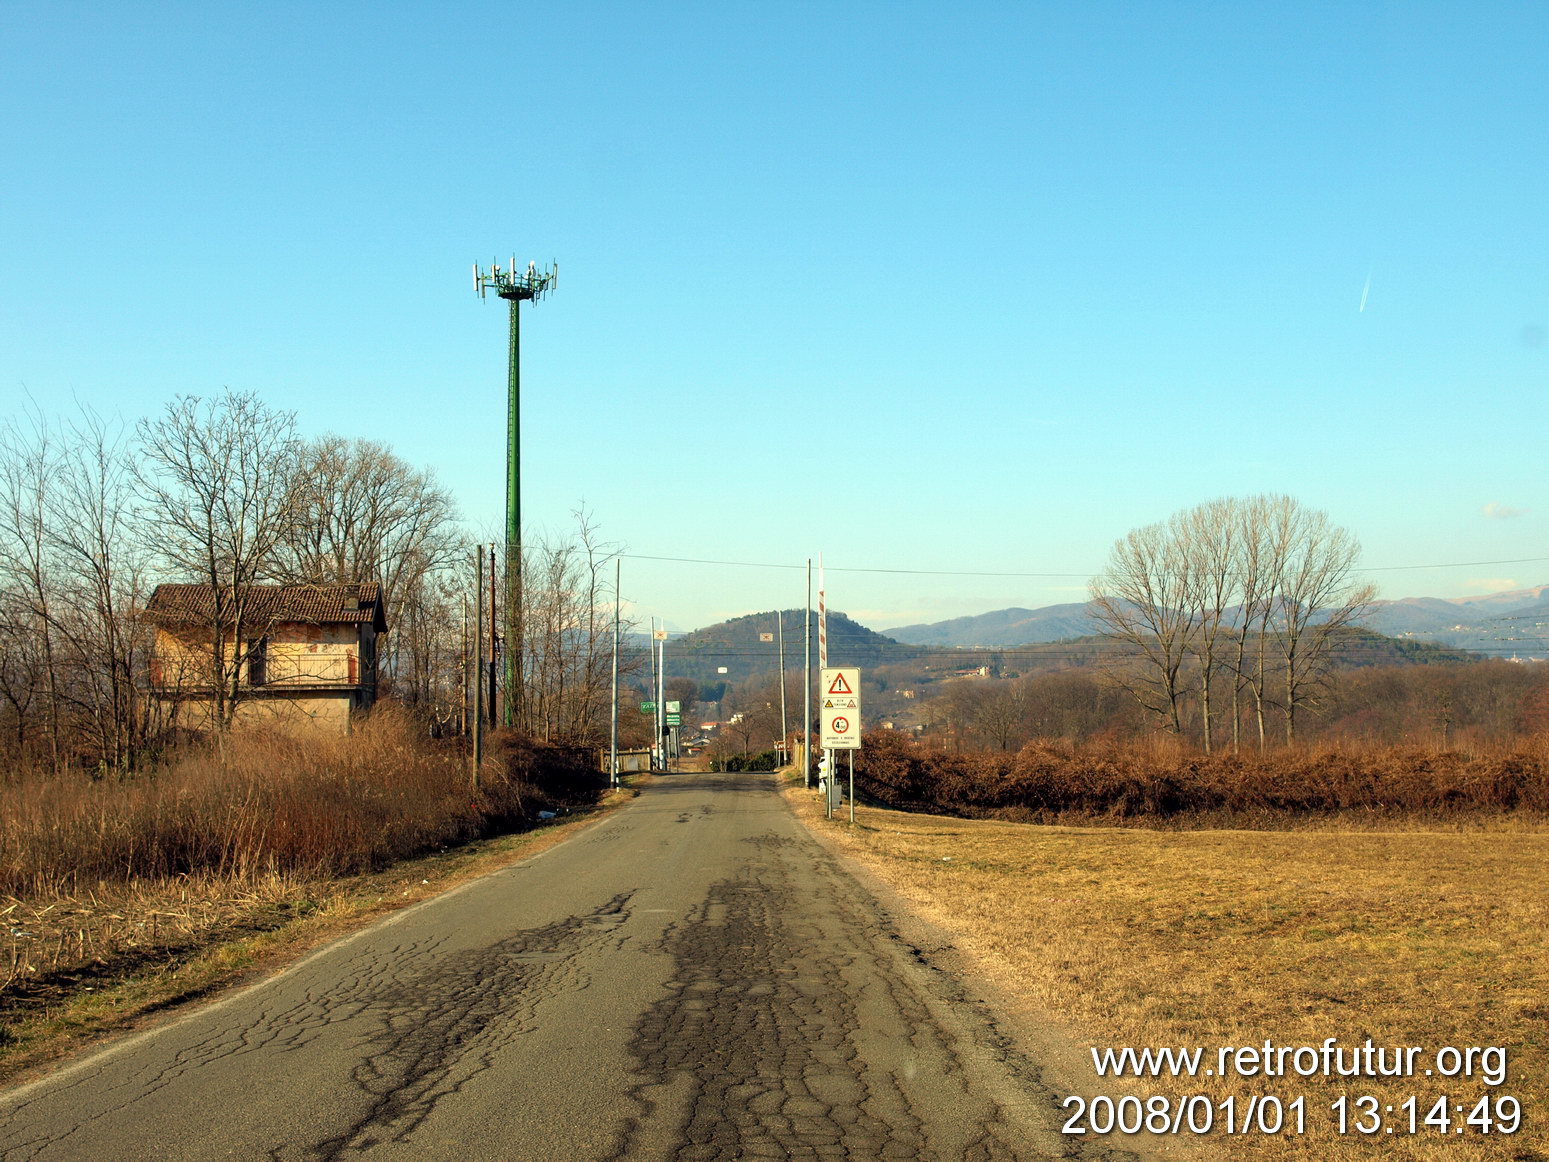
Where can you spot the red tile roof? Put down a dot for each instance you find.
(313, 604)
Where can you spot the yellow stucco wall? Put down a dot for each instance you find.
(298, 658)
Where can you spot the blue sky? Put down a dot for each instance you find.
(918, 287)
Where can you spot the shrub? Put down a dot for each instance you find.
(762, 761)
(1134, 782)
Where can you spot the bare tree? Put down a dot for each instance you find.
(22, 667)
(567, 625)
(28, 470)
(1207, 536)
(1265, 574)
(1255, 600)
(754, 722)
(1002, 713)
(363, 514)
(1315, 598)
(431, 654)
(102, 582)
(217, 477)
(1145, 599)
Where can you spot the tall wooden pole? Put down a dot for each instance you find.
(478, 665)
(613, 729)
(494, 645)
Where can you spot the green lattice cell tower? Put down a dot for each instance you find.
(528, 286)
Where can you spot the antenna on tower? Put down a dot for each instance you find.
(529, 285)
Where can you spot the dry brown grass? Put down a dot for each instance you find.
(102, 880)
(96, 963)
(269, 803)
(1150, 938)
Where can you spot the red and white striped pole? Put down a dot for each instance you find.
(827, 781)
(822, 619)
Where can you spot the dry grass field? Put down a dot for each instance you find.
(1178, 938)
(119, 895)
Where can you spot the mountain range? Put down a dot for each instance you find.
(1498, 624)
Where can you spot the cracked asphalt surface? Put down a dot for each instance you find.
(693, 978)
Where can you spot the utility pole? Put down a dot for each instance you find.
(656, 713)
(780, 648)
(494, 645)
(613, 728)
(478, 664)
(530, 286)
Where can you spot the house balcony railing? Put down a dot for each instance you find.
(274, 673)
(323, 669)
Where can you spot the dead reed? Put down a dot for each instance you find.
(276, 803)
(98, 875)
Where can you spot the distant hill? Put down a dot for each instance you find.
(1003, 627)
(1355, 648)
(735, 645)
(1409, 631)
(1497, 624)
(1494, 624)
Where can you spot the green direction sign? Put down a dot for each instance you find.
(673, 707)
(647, 708)
(674, 720)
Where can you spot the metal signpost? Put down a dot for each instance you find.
(840, 718)
(659, 636)
(841, 708)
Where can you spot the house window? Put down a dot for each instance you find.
(258, 662)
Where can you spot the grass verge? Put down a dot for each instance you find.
(1150, 939)
(200, 936)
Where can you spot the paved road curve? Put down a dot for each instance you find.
(692, 978)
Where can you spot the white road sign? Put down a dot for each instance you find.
(839, 699)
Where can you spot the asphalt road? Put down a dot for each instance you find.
(692, 978)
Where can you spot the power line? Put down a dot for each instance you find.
(1056, 576)
(1453, 565)
(704, 561)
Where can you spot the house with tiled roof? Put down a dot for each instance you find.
(292, 654)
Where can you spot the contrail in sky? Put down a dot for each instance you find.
(1366, 290)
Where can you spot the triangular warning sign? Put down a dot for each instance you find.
(828, 705)
(839, 685)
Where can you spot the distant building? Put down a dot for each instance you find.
(975, 672)
(308, 656)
